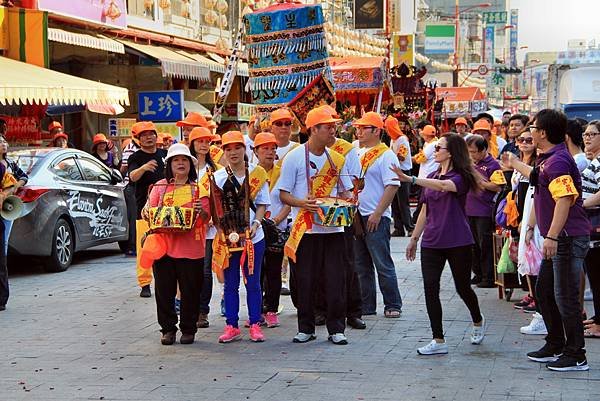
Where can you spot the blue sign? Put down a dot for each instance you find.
(160, 106)
(514, 36)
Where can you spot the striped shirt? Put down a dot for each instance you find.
(590, 178)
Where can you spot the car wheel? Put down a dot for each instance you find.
(124, 246)
(62, 248)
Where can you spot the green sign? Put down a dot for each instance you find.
(439, 31)
(498, 79)
(495, 17)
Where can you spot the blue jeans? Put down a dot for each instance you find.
(7, 227)
(372, 252)
(253, 290)
(557, 291)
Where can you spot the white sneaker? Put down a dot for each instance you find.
(338, 339)
(536, 326)
(433, 348)
(478, 332)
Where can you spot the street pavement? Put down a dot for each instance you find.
(85, 334)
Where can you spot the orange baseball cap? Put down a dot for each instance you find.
(160, 140)
(497, 123)
(461, 120)
(216, 138)
(60, 135)
(231, 137)
(99, 138)
(200, 132)
(193, 119)
(482, 125)
(54, 125)
(370, 119)
(281, 114)
(142, 126)
(429, 130)
(264, 138)
(319, 116)
(393, 127)
(329, 109)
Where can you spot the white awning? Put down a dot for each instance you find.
(197, 108)
(173, 64)
(85, 40)
(205, 61)
(22, 83)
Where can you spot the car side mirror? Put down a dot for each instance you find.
(115, 176)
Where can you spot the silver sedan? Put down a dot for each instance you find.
(71, 202)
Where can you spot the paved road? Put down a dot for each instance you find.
(86, 335)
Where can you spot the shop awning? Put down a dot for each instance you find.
(23, 83)
(196, 108)
(460, 94)
(358, 74)
(203, 60)
(85, 40)
(173, 64)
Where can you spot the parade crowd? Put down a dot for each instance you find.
(315, 219)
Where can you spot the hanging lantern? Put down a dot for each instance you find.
(164, 4)
(185, 9)
(222, 6)
(211, 17)
(210, 4)
(112, 11)
(148, 4)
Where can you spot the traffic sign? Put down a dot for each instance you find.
(482, 69)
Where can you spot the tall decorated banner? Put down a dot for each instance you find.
(403, 49)
(439, 39)
(28, 36)
(514, 36)
(488, 51)
(287, 50)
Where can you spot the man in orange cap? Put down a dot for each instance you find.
(461, 127)
(145, 167)
(191, 121)
(400, 145)
(309, 174)
(129, 149)
(483, 127)
(372, 250)
(167, 140)
(55, 127)
(281, 127)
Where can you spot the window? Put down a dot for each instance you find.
(67, 170)
(141, 8)
(92, 171)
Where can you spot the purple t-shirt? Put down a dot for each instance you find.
(481, 203)
(553, 164)
(446, 225)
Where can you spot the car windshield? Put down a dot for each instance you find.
(26, 159)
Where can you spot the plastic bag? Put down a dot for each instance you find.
(505, 265)
(533, 256)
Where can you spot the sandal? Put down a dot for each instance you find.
(392, 313)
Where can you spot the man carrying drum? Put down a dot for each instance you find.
(372, 251)
(310, 173)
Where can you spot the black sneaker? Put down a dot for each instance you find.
(568, 363)
(145, 292)
(544, 354)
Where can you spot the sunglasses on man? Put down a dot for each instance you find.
(282, 123)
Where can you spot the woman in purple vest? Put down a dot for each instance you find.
(446, 235)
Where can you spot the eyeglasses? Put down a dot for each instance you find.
(591, 134)
(282, 123)
(530, 127)
(438, 147)
(527, 141)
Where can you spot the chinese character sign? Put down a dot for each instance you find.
(495, 17)
(514, 36)
(489, 45)
(160, 106)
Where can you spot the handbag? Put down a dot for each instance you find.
(513, 250)
(505, 265)
(500, 215)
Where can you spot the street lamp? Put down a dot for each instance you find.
(457, 12)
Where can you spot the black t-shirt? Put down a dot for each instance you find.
(137, 160)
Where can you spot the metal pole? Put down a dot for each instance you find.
(456, 44)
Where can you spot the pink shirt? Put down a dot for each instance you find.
(184, 245)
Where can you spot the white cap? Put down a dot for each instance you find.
(179, 149)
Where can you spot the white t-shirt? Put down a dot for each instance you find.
(429, 165)
(352, 163)
(590, 179)
(356, 144)
(262, 198)
(283, 151)
(396, 145)
(276, 206)
(377, 177)
(500, 142)
(293, 180)
(252, 159)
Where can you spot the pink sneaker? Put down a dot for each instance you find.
(230, 334)
(256, 334)
(272, 320)
(262, 322)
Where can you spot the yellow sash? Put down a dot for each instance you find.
(341, 146)
(220, 261)
(8, 181)
(493, 146)
(204, 183)
(369, 157)
(294, 146)
(215, 153)
(322, 186)
(274, 174)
